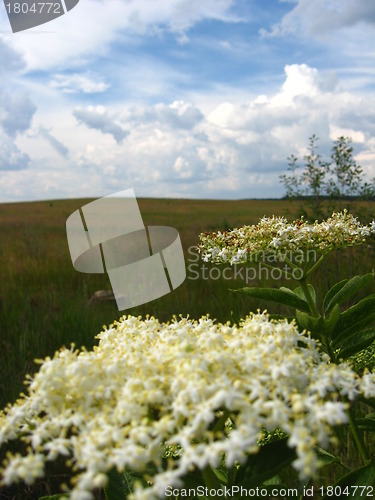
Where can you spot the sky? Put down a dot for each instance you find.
(182, 98)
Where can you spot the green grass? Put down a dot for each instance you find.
(44, 302)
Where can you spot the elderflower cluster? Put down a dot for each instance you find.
(149, 386)
(278, 236)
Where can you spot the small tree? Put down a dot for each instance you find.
(347, 175)
(292, 182)
(339, 179)
(310, 183)
(314, 174)
(368, 190)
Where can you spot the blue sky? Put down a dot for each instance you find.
(182, 98)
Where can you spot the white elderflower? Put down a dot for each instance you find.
(277, 236)
(148, 386)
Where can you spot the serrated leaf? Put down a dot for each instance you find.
(348, 289)
(275, 295)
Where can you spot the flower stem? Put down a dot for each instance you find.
(210, 479)
(316, 265)
(357, 437)
(309, 298)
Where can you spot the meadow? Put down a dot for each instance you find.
(45, 303)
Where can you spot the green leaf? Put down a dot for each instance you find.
(194, 478)
(119, 485)
(356, 342)
(355, 318)
(363, 476)
(265, 464)
(368, 401)
(325, 457)
(348, 289)
(300, 293)
(331, 321)
(304, 320)
(332, 292)
(366, 424)
(276, 295)
(314, 325)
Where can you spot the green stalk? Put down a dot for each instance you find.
(210, 479)
(309, 298)
(357, 437)
(291, 264)
(316, 265)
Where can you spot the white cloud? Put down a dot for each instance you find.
(16, 112)
(320, 17)
(235, 148)
(77, 37)
(11, 158)
(181, 166)
(228, 149)
(177, 115)
(72, 83)
(98, 118)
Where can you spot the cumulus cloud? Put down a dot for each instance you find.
(320, 17)
(76, 82)
(11, 158)
(16, 111)
(239, 148)
(98, 118)
(233, 148)
(177, 115)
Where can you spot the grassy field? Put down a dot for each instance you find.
(44, 302)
